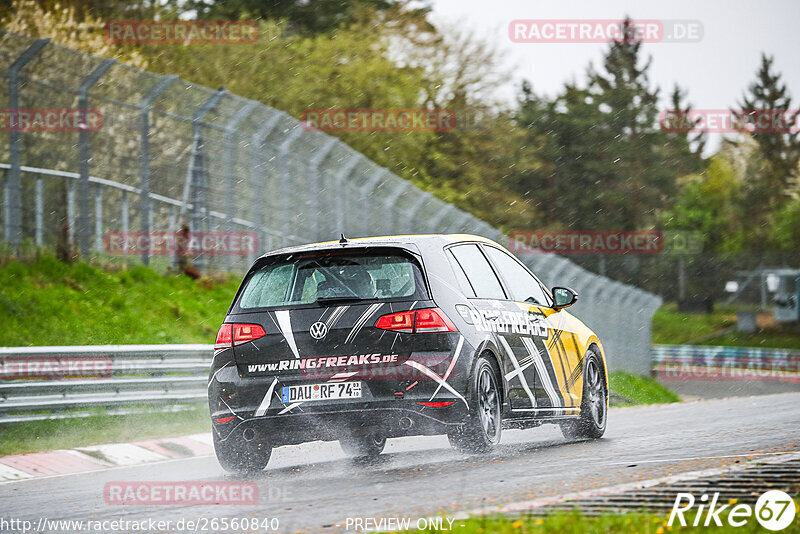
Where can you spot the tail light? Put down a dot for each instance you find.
(232, 334)
(423, 321)
(440, 404)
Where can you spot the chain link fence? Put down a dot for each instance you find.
(170, 153)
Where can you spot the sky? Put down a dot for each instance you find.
(716, 70)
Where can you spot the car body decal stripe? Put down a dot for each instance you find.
(450, 367)
(285, 324)
(289, 408)
(518, 368)
(542, 372)
(362, 320)
(425, 370)
(335, 316)
(262, 408)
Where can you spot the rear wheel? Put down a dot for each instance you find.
(591, 424)
(236, 455)
(482, 430)
(368, 445)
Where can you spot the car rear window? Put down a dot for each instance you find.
(303, 279)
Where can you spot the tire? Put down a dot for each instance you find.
(242, 457)
(591, 424)
(368, 445)
(481, 433)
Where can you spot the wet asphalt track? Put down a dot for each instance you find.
(314, 488)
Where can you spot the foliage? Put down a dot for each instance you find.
(67, 26)
(603, 139)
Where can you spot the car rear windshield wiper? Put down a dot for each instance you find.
(329, 300)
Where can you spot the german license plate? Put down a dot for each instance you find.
(319, 392)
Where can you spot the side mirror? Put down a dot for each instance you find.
(563, 297)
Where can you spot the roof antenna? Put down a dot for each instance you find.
(343, 240)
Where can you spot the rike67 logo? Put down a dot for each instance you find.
(774, 510)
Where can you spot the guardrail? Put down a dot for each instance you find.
(698, 362)
(61, 382)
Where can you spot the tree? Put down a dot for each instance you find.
(308, 17)
(606, 165)
(768, 96)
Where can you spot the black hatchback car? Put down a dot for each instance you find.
(366, 339)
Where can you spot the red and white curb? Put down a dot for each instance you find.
(99, 457)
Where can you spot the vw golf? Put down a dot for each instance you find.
(367, 339)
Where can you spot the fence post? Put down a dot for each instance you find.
(195, 177)
(424, 198)
(317, 192)
(339, 181)
(433, 224)
(144, 156)
(84, 155)
(458, 224)
(13, 185)
(286, 223)
(98, 218)
(230, 130)
(39, 211)
(256, 171)
(363, 191)
(390, 202)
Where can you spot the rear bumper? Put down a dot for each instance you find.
(392, 404)
(403, 418)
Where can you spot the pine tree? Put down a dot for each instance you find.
(780, 149)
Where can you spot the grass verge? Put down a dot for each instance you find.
(576, 523)
(47, 302)
(37, 436)
(638, 389)
(671, 327)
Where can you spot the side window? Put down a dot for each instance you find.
(478, 271)
(461, 278)
(523, 286)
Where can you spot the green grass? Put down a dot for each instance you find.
(47, 302)
(35, 436)
(575, 523)
(640, 389)
(671, 327)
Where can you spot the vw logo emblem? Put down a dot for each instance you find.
(318, 330)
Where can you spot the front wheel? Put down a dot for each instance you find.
(368, 445)
(482, 430)
(591, 424)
